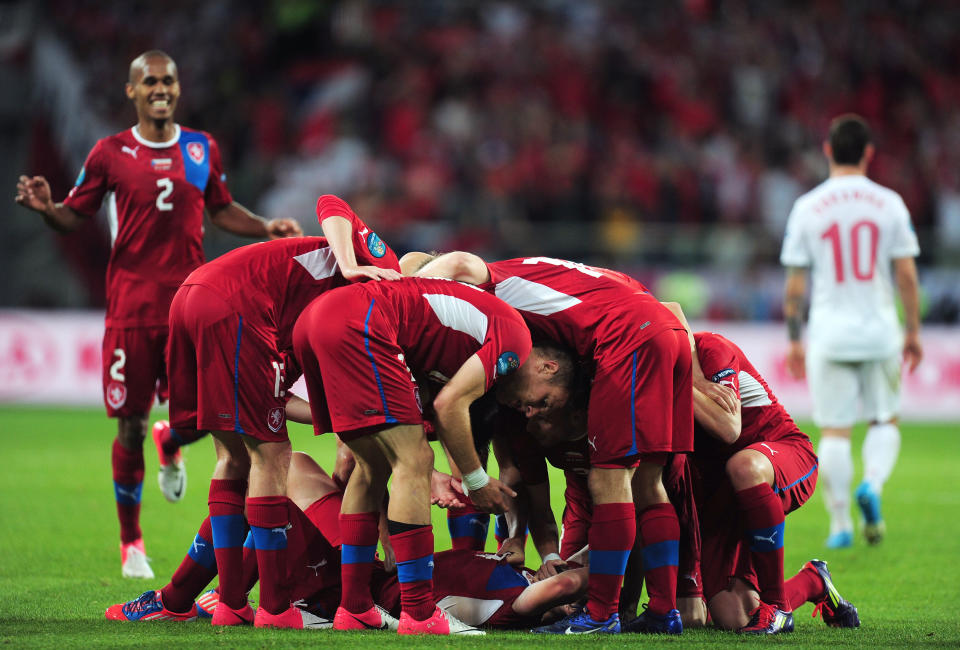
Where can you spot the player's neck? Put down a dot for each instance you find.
(847, 170)
(156, 130)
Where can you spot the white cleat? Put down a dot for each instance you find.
(135, 561)
(172, 476)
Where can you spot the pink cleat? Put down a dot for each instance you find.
(375, 618)
(440, 623)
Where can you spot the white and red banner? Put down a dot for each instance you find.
(54, 358)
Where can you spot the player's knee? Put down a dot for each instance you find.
(132, 430)
(746, 470)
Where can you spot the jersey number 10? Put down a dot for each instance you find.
(856, 262)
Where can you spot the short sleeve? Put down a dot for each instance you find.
(794, 251)
(92, 183)
(719, 361)
(507, 345)
(904, 242)
(216, 195)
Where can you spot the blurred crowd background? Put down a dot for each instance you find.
(666, 139)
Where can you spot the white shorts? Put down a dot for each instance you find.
(838, 387)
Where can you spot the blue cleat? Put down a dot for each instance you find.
(650, 623)
(836, 611)
(869, 502)
(206, 604)
(580, 623)
(843, 539)
(768, 619)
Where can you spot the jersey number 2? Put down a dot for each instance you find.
(856, 262)
(166, 189)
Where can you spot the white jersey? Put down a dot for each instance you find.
(848, 230)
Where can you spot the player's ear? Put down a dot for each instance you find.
(128, 88)
(868, 153)
(549, 367)
(827, 150)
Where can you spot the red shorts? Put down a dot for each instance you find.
(642, 403)
(353, 367)
(725, 553)
(226, 372)
(134, 370)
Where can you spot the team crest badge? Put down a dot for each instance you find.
(507, 363)
(116, 394)
(376, 246)
(196, 152)
(275, 418)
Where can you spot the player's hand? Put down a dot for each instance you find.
(280, 228)
(34, 193)
(492, 496)
(361, 273)
(912, 351)
(724, 396)
(551, 568)
(796, 360)
(445, 491)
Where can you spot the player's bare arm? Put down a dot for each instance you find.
(34, 193)
(236, 219)
(905, 273)
(559, 589)
(795, 295)
(722, 395)
(339, 234)
(452, 406)
(458, 265)
(544, 531)
(715, 419)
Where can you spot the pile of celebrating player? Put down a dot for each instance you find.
(680, 463)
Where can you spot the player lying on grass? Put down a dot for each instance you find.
(481, 589)
(230, 323)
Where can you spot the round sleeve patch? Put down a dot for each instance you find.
(507, 363)
(376, 246)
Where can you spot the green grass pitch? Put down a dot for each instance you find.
(60, 568)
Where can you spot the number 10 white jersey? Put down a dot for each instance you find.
(848, 230)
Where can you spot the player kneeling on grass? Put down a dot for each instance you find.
(481, 589)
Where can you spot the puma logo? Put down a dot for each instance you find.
(770, 540)
(132, 152)
(317, 566)
(773, 452)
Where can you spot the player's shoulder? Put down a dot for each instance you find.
(810, 197)
(187, 133)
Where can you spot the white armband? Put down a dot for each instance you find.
(550, 557)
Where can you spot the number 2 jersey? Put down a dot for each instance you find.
(848, 230)
(156, 194)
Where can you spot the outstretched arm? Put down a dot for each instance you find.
(34, 193)
(559, 589)
(236, 219)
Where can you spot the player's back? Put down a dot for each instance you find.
(848, 230)
(586, 308)
(441, 323)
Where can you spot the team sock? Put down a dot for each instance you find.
(229, 531)
(805, 587)
(173, 439)
(250, 573)
(660, 532)
(324, 513)
(195, 572)
(127, 488)
(880, 450)
(468, 527)
(613, 530)
(414, 551)
(836, 475)
(268, 517)
(764, 520)
(359, 533)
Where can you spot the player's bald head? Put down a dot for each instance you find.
(138, 65)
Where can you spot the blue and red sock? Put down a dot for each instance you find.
(229, 529)
(468, 528)
(763, 517)
(359, 532)
(195, 572)
(414, 551)
(659, 531)
(269, 517)
(127, 488)
(612, 532)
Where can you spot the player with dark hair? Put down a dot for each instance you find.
(231, 327)
(359, 370)
(850, 232)
(158, 178)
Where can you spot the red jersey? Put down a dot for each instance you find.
(156, 193)
(441, 323)
(763, 418)
(269, 283)
(597, 312)
(480, 588)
